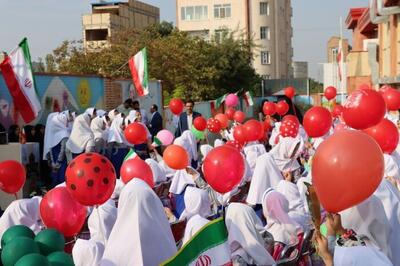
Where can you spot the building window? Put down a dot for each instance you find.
(194, 13)
(264, 33)
(222, 11)
(264, 8)
(96, 35)
(265, 58)
(219, 35)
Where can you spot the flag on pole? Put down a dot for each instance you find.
(209, 246)
(17, 73)
(339, 59)
(216, 104)
(248, 97)
(138, 67)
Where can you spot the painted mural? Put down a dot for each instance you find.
(56, 93)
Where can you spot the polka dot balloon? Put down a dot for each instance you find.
(213, 125)
(90, 179)
(289, 128)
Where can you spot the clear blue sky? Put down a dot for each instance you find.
(47, 23)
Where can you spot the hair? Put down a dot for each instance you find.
(155, 107)
(135, 102)
(128, 101)
(190, 101)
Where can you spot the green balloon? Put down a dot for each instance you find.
(49, 241)
(16, 249)
(33, 260)
(16, 231)
(323, 229)
(60, 259)
(197, 133)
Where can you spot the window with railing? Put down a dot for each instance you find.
(189, 13)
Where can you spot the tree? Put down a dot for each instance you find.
(316, 86)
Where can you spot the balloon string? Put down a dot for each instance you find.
(294, 108)
(100, 226)
(16, 196)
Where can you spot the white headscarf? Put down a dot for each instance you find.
(81, 135)
(23, 211)
(102, 220)
(111, 114)
(274, 134)
(169, 172)
(194, 224)
(276, 208)
(390, 199)
(141, 234)
(196, 202)
(283, 151)
(205, 149)
(359, 256)
(297, 210)
(391, 167)
(244, 236)
(56, 130)
(90, 112)
(252, 152)
(119, 185)
(158, 173)
(97, 127)
(87, 252)
(180, 180)
(368, 219)
(100, 112)
(266, 175)
(188, 141)
(218, 143)
(132, 116)
(116, 134)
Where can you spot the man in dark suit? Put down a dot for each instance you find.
(156, 121)
(186, 119)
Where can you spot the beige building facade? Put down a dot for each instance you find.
(108, 17)
(267, 22)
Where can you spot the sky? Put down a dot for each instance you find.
(47, 23)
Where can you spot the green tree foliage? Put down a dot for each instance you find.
(188, 66)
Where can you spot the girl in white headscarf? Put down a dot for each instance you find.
(197, 208)
(205, 149)
(141, 149)
(276, 208)
(286, 152)
(297, 210)
(116, 143)
(252, 152)
(92, 112)
(99, 129)
(101, 221)
(55, 140)
(141, 234)
(244, 236)
(24, 212)
(158, 173)
(87, 252)
(82, 138)
(188, 141)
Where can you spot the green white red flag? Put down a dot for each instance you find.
(248, 97)
(17, 73)
(138, 67)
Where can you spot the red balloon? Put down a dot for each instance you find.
(363, 109)
(176, 157)
(337, 110)
(90, 178)
(289, 128)
(386, 134)
(230, 112)
(346, 160)
(59, 210)
(226, 160)
(391, 97)
(292, 118)
(339, 127)
(12, 176)
(213, 125)
(290, 92)
(223, 119)
(176, 106)
(200, 123)
(253, 130)
(239, 134)
(330, 93)
(239, 116)
(269, 108)
(136, 133)
(317, 121)
(282, 108)
(136, 168)
(267, 125)
(235, 144)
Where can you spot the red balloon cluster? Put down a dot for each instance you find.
(226, 160)
(290, 92)
(136, 133)
(364, 108)
(176, 157)
(239, 116)
(391, 97)
(223, 120)
(136, 168)
(200, 123)
(12, 176)
(90, 178)
(330, 93)
(230, 112)
(317, 121)
(386, 135)
(176, 106)
(59, 210)
(282, 108)
(337, 110)
(213, 125)
(289, 128)
(269, 108)
(253, 130)
(346, 160)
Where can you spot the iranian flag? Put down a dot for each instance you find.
(248, 97)
(17, 73)
(207, 247)
(138, 67)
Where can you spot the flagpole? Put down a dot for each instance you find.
(119, 68)
(342, 60)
